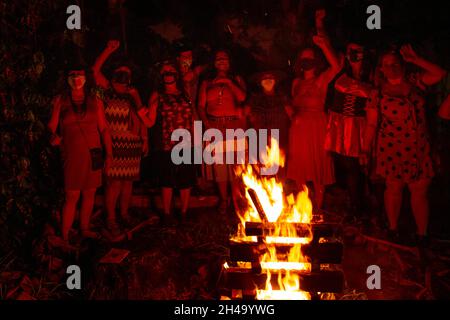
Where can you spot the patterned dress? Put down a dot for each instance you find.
(403, 150)
(126, 142)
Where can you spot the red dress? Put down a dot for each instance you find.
(79, 134)
(307, 158)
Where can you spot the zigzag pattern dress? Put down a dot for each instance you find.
(126, 144)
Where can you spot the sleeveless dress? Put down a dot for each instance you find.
(79, 134)
(126, 143)
(346, 123)
(403, 148)
(307, 158)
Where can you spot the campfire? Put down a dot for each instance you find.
(281, 251)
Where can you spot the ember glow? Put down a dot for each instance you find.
(283, 213)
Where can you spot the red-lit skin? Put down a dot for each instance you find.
(395, 84)
(322, 41)
(444, 110)
(76, 80)
(236, 88)
(117, 188)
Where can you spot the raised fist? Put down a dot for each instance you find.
(113, 45)
(320, 14)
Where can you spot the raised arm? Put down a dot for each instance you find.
(99, 78)
(432, 72)
(323, 42)
(148, 115)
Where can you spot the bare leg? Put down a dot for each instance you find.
(125, 198)
(111, 196)
(319, 190)
(419, 204)
(185, 195)
(167, 199)
(393, 196)
(87, 205)
(68, 214)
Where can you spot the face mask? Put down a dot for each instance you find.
(355, 56)
(307, 64)
(268, 84)
(121, 77)
(77, 81)
(169, 77)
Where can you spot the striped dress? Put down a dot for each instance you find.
(126, 142)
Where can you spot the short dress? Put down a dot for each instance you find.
(346, 123)
(126, 143)
(79, 134)
(403, 148)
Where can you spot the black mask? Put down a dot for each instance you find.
(166, 75)
(307, 64)
(121, 77)
(355, 56)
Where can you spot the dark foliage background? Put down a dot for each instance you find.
(35, 46)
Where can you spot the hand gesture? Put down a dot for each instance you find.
(320, 41)
(112, 45)
(408, 53)
(320, 14)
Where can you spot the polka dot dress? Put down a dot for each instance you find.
(403, 150)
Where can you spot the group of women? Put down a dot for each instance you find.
(370, 114)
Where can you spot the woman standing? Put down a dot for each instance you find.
(81, 121)
(176, 112)
(403, 151)
(129, 137)
(307, 158)
(347, 122)
(219, 106)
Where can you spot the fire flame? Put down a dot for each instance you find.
(284, 212)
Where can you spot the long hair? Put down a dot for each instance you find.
(368, 65)
(179, 80)
(211, 71)
(318, 56)
(380, 78)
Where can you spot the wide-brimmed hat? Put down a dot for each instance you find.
(275, 74)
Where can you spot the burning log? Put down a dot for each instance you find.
(304, 230)
(323, 281)
(257, 204)
(324, 253)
